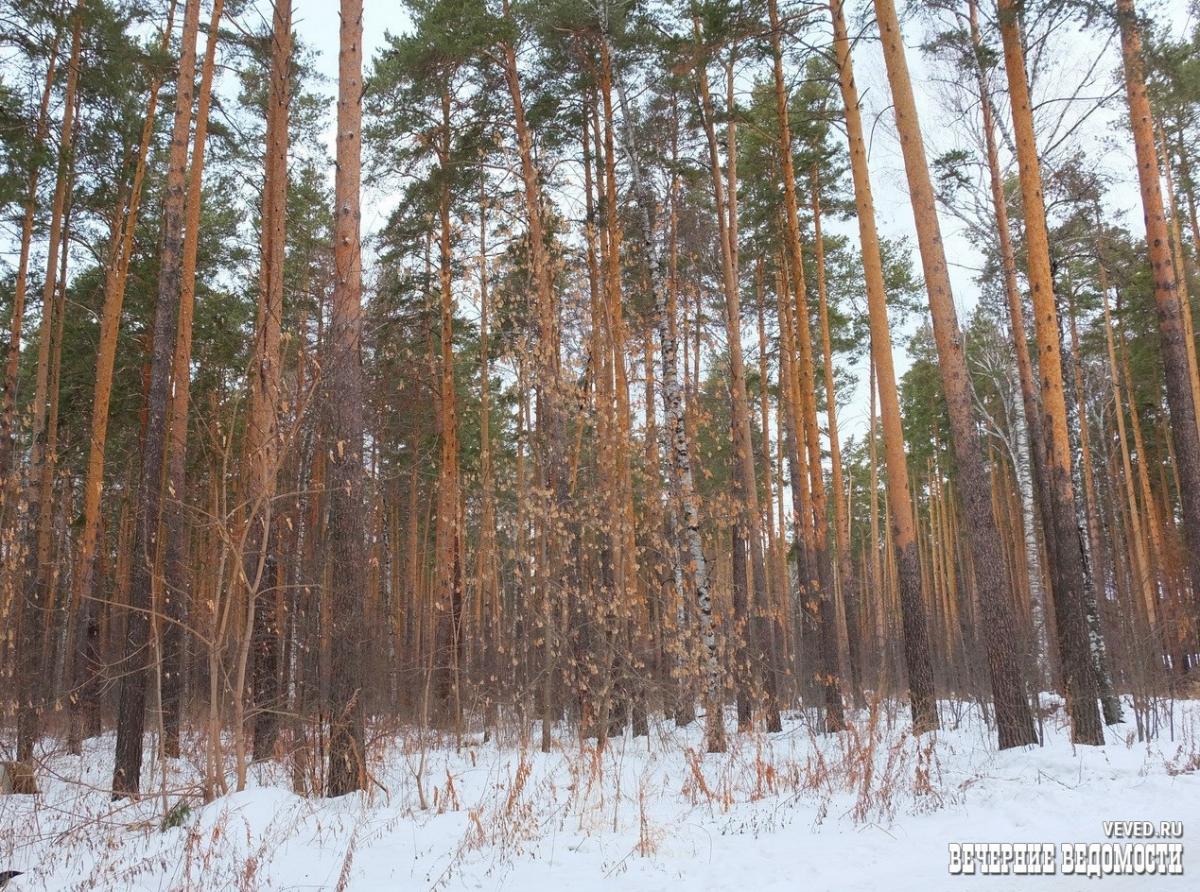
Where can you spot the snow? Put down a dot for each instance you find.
(868, 808)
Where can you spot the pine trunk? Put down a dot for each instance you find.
(1030, 412)
(176, 593)
(448, 595)
(29, 686)
(1014, 722)
(125, 226)
(912, 604)
(819, 586)
(131, 709)
(20, 287)
(260, 562)
(1067, 567)
(344, 407)
(1173, 345)
(847, 578)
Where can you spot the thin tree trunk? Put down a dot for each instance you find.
(820, 585)
(1088, 518)
(260, 562)
(1029, 409)
(550, 445)
(20, 286)
(1178, 255)
(116, 274)
(664, 286)
(847, 578)
(621, 521)
(808, 632)
(1144, 578)
(176, 587)
(448, 592)
(39, 560)
(487, 569)
(29, 687)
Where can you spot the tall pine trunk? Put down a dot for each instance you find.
(549, 443)
(84, 599)
(176, 586)
(1029, 409)
(260, 561)
(903, 526)
(1064, 546)
(131, 709)
(819, 586)
(12, 363)
(344, 407)
(1173, 345)
(448, 597)
(29, 686)
(1014, 723)
(847, 578)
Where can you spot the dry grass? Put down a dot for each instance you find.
(491, 803)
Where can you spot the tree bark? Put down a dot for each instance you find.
(1144, 574)
(260, 562)
(1030, 410)
(448, 595)
(847, 578)
(665, 310)
(83, 597)
(550, 446)
(29, 687)
(1173, 345)
(20, 286)
(344, 405)
(912, 607)
(132, 705)
(1014, 722)
(1067, 566)
(820, 585)
(176, 587)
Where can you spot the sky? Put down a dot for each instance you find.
(1104, 135)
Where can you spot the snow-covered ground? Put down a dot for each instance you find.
(870, 808)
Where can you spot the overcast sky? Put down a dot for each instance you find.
(1104, 135)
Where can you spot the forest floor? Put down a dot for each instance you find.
(870, 808)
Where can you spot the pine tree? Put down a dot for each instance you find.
(758, 630)
(1013, 719)
(916, 637)
(1066, 557)
(819, 584)
(344, 443)
(176, 589)
(261, 562)
(1175, 347)
(131, 711)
